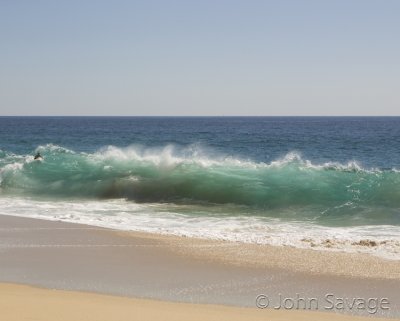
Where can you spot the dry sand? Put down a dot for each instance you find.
(18, 303)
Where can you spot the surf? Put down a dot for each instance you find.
(190, 176)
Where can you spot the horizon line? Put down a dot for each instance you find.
(199, 116)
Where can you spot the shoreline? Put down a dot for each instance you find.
(285, 257)
(288, 258)
(384, 244)
(75, 257)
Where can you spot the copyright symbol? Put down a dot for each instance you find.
(262, 301)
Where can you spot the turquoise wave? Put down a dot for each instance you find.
(189, 176)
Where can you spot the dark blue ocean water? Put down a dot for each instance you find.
(371, 141)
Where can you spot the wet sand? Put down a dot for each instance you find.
(58, 255)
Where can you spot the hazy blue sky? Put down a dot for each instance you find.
(200, 57)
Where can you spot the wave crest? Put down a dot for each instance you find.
(194, 174)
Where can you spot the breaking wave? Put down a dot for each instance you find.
(189, 175)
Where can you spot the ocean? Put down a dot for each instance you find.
(325, 183)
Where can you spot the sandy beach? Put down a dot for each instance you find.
(124, 275)
(50, 305)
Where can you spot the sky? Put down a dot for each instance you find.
(220, 57)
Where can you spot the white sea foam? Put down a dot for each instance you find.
(382, 241)
(170, 156)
